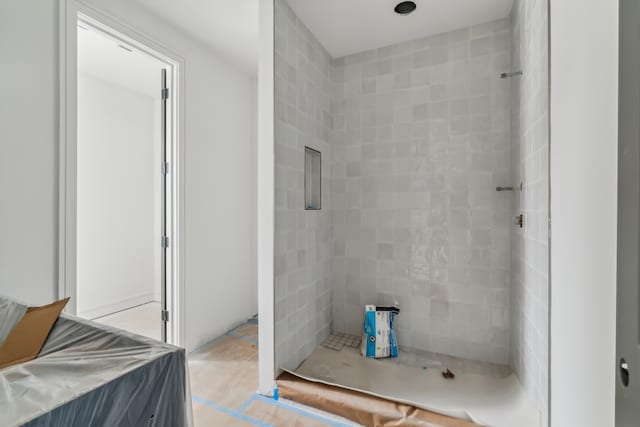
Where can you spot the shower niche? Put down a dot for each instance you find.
(312, 179)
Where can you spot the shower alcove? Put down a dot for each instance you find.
(417, 130)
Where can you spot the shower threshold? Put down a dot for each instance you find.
(487, 399)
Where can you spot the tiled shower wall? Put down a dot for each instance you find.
(530, 245)
(303, 245)
(421, 140)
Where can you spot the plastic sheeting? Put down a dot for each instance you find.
(93, 375)
(485, 400)
(10, 314)
(359, 407)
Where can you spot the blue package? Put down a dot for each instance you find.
(379, 338)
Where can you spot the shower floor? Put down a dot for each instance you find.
(480, 393)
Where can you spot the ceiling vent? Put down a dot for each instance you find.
(405, 7)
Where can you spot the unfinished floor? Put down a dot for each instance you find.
(480, 393)
(224, 380)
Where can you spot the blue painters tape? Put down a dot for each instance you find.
(208, 343)
(234, 414)
(242, 337)
(300, 411)
(253, 321)
(276, 393)
(246, 404)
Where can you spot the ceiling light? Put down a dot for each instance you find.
(405, 7)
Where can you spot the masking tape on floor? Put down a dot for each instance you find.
(242, 337)
(299, 410)
(236, 414)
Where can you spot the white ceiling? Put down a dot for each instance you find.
(103, 58)
(350, 26)
(229, 27)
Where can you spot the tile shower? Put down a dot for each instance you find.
(415, 138)
(421, 141)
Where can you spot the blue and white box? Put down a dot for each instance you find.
(379, 339)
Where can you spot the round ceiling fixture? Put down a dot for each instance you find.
(405, 7)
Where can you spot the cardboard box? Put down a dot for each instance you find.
(29, 335)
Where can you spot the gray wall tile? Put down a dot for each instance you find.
(303, 239)
(530, 151)
(426, 193)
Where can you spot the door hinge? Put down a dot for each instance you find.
(165, 241)
(165, 93)
(164, 315)
(164, 168)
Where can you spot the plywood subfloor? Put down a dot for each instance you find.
(496, 402)
(224, 380)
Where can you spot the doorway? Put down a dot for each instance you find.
(120, 251)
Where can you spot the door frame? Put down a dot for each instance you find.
(627, 330)
(71, 11)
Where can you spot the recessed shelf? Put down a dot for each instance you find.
(312, 179)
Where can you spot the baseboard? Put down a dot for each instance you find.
(116, 306)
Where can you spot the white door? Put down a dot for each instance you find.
(627, 369)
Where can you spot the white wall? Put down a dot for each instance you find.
(116, 198)
(584, 66)
(253, 243)
(29, 150)
(219, 279)
(265, 200)
(218, 194)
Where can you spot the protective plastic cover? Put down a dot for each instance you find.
(10, 314)
(93, 375)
